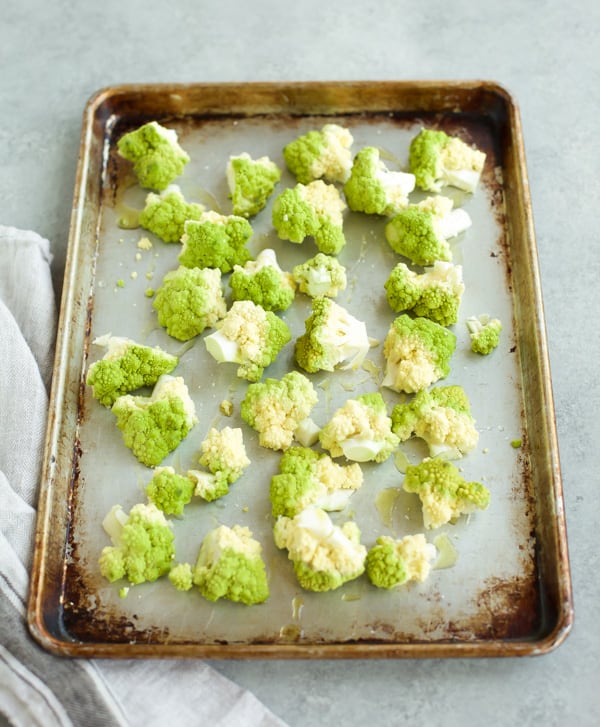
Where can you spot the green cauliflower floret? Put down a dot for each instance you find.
(249, 336)
(437, 159)
(165, 214)
(263, 282)
(435, 294)
(276, 408)
(215, 241)
(442, 417)
(142, 544)
(125, 367)
(392, 563)
(230, 565)
(421, 231)
(417, 353)
(325, 556)
(308, 478)
(169, 491)
(323, 154)
(251, 183)
(445, 495)
(156, 155)
(224, 454)
(484, 332)
(190, 300)
(361, 430)
(375, 189)
(320, 275)
(181, 576)
(312, 210)
(333, 339)
(154, 426)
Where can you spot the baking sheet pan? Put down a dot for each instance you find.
(509, 591)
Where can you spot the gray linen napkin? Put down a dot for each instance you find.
(37, 688)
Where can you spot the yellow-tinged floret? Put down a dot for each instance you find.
(263, 282)
(321, 275)
(445, 495)
(323, 154)
(394, 562)
(325, 556)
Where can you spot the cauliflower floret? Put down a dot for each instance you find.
(392, 563)
(154, 426)
(333, 339)
(215, 241)
(142, 544)
(421, 231)
(263, 282)
(440, 416)
(360, 430)
(277, 407)
(375, 189)
(307, 478)
(417, 353)
(320, 275)
(323, 154)
(325, 556)
(181, 576)
(230, 566)
(249, 336)
(484, 332)
(445, 495)
(224, 454)
(437, 160)
(156, 155)
(251, 183)
(312, 210)
(190, 300)
(165, 214)
(169, 491)
(125, 367)
(435, 294)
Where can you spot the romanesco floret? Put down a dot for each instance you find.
(484, 332)
(125, 367)
(417, 353)
(249, 336)
(360, 430)
(308, 478)
(142, 544)
(275, 408)
(437, 159)
(154, 426)
(323, 154)
(230, 566)
(181, 576)
(333, 339)
(325, 556)
(392, 563)
(263, 282)
(442, 417)
(320, 275)
(169, 491)
(156, 155)
(251, 183)
(190, 300)
(435, 294)
(215, 241)
(224, 454)
(312, 210)
(421, 231)
(375, 189)
(445, 495)
(165, 214)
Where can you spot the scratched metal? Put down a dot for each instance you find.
(509, 591)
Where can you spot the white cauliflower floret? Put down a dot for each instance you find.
(325, 200)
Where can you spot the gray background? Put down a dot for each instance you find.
(55, 55)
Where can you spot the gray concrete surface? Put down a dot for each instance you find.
(55, 54)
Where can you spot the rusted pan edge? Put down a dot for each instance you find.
(306, 99)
